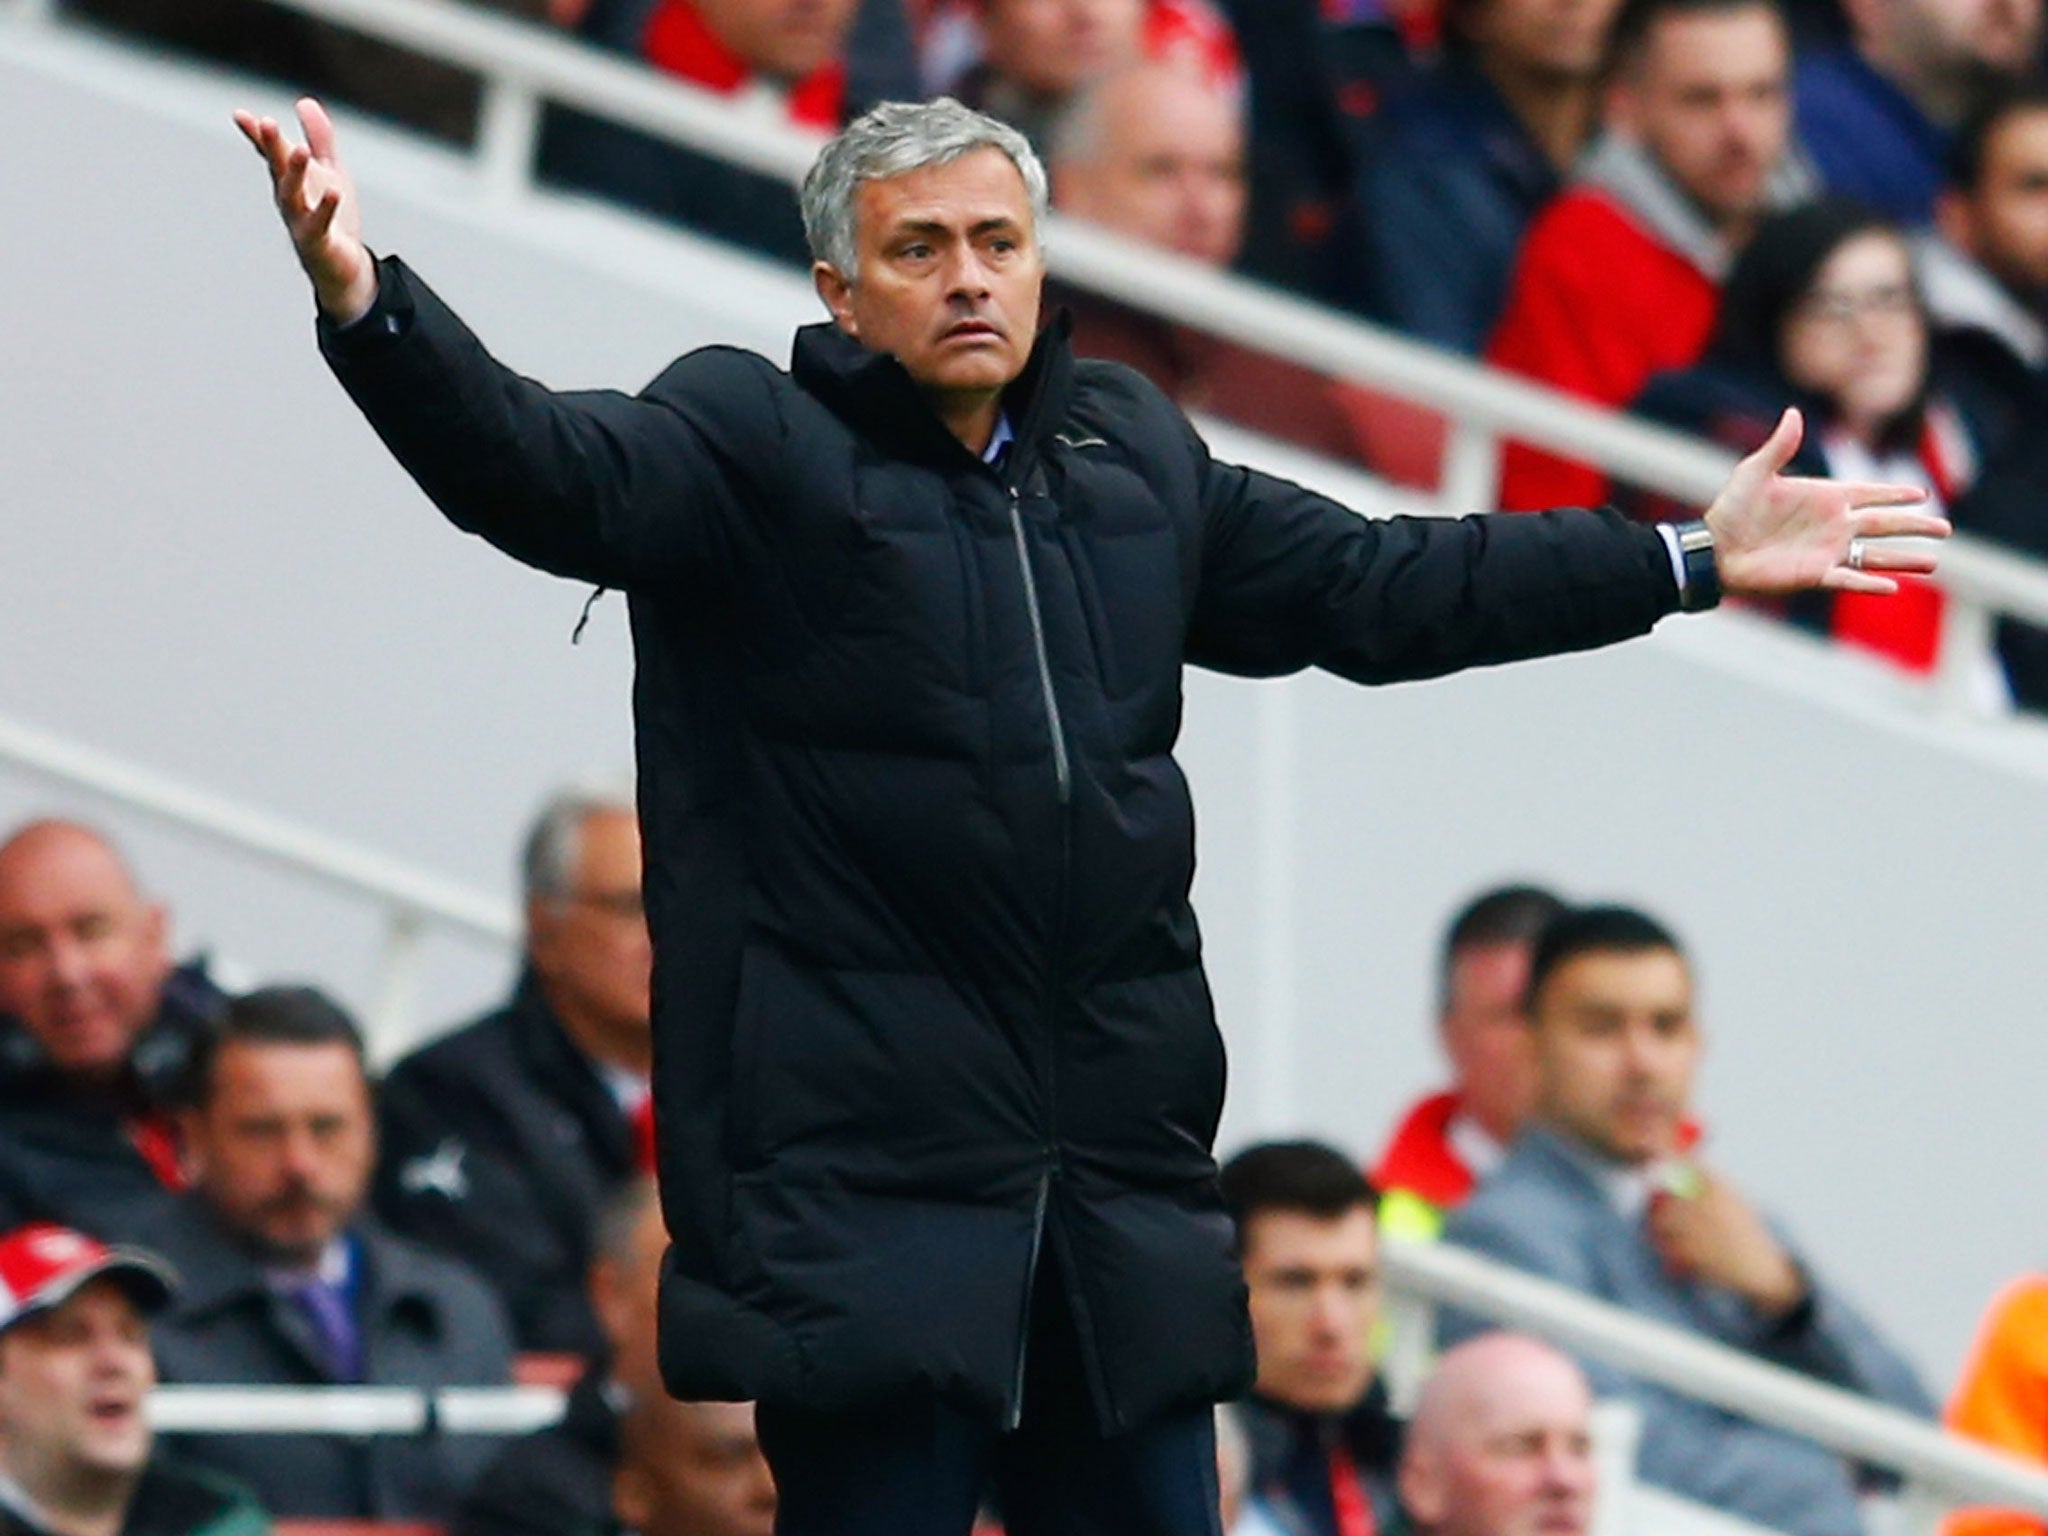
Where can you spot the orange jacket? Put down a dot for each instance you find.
(2002, 1398)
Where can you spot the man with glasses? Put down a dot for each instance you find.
(504, 1139)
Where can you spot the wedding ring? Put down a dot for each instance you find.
(1855, 558)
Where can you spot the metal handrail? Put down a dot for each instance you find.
(337, 1410)
(1952, 1470)
(412, 901)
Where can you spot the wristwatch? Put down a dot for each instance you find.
(1701, 588)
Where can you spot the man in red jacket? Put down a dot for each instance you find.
(1621, 275)
(1449, 1140)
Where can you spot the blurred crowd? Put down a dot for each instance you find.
(1704, 210)
(198, 1187)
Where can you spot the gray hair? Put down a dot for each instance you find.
(554, 844)
(894, 139)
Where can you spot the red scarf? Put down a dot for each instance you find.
(678, 41)
(1906, 625)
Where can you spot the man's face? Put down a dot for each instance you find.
(72, 1384)
(1166, 167)
(950, 274)
(1558, 40)
(624, 1295)
(787, 39)
(1054, 47)
(1315, 1295)
(1616, 1047)
(2003, 220)
(696, 1469)
(82, 955)
(1519, 1461)
(1493, 1065)
(590, 947)
(283, 1146)
(1706, 96)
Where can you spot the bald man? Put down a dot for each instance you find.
(1500, 1443)
(1156, 153)
(95, 1023)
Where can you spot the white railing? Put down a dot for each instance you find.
(223, 1410)
(522, 64)
(1939, 1471)
(412, 901)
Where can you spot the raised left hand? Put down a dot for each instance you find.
(1776, 533)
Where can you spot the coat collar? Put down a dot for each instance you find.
(873, 394)
(215, 1272)
(1628, 174)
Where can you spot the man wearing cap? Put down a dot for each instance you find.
(77, 1457)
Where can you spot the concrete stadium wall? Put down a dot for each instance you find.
(209, 566)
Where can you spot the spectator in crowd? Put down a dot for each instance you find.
(1323, 1441)
(286, 1282)
(503, 1139)
(784, 60)
(1156, 152)
(1038, 54)
(1501, 1443)
(1595, 1196)
(1822, 311)
(560, 1478)
(1876, 113)
(95, 1025)
(1318, 71)
(1986, 280)
(1619, 277)
(1447, 1141)
(77, 1457)
(690, 1469)
(1462, 164)
(2002, 1397)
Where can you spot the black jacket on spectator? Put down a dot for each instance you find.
(71, 1157)
(1291, 1461)
(170, 1501)
(2006, 397)
(929, 1002)
(426, 1322)
(1317, 81)
(500, 1145)
(556, 1480)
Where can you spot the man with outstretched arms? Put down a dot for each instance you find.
(936, 1068)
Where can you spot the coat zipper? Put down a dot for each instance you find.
(1064, 782)
(1016, 1414)
(1062, 770)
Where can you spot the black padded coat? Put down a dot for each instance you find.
(930, 1017)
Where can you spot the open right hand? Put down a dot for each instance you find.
(317, 202)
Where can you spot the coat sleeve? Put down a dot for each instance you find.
(596, 485)
(1832, 1342)
(1290, 579)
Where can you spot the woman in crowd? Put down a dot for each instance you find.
(1822, 311)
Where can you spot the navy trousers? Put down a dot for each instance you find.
(922, 1468)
